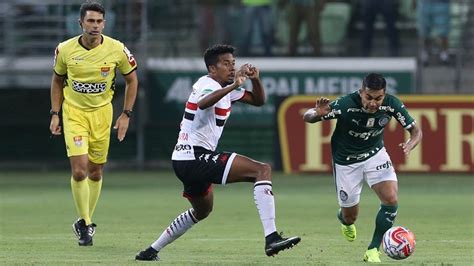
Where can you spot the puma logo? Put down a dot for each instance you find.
(356, 121)
(391, 216)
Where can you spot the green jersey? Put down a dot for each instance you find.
(358, 134)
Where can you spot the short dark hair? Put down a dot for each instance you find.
(374, 81)
(211, 55)
(91, 6)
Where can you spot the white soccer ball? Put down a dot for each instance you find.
(398, 243)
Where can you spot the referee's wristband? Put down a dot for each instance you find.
(51, 112)
(128, 113)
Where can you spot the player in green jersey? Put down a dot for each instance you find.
(359, 154)
(82, 86)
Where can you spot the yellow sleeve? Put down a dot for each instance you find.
(59, 64)
(127, 62)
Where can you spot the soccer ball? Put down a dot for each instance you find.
(398, 243)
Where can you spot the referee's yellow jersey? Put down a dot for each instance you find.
(90, 74)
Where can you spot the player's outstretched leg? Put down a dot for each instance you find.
(383, 221)
(372, 255)
(242, 170)
(275, 243)
(348, 230)
(149, 254)
(177, 228)
(265, 202)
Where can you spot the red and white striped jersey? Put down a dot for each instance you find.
(203, 127)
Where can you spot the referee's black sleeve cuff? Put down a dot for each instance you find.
(59, 74)
(130, 72)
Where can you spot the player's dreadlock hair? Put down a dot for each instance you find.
(91, 6)
(374, 81)
(211, 55)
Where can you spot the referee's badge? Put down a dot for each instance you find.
(104, 71)
(77, 141)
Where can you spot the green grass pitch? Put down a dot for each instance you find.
(36, 213)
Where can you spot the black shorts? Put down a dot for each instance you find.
(209, 167)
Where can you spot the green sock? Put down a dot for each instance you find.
(383, 222)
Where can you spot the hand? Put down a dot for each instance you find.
(54, 126)
(253, 72)
(241, 75)
(322, 106)
(122, 126)
(406, 147)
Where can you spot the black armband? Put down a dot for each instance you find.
(128, 113)
(51, 112)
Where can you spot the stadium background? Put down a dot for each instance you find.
(36, 208)
(165, 37)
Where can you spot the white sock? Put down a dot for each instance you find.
(263, 196)
(177, 228)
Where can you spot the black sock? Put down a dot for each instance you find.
(150, 249)
(271, 237)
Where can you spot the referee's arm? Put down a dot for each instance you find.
(57, 96)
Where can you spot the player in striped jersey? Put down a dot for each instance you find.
(197, 163)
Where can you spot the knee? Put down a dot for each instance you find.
(264, 172)
(391, 200)
(79, 174)
(95, 174)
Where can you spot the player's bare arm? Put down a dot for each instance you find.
(320, 109)
(131, 87)
(213, 97)
(415, 138)
(57, 97)
(255, 97)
